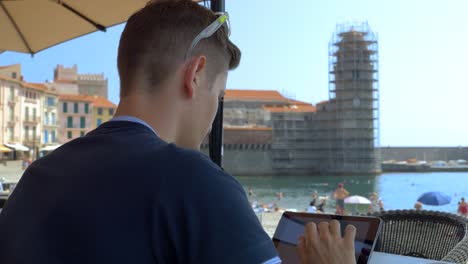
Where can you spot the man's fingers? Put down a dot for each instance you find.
(350, 234)
(311, 233)
(301, 248)
(335, 228)
(324, 230)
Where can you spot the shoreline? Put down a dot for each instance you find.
(269, 221)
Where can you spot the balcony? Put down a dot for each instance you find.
(32, 141)
(13, 101)
(30, 100)
(13, 140)
(51, 106)
(50, 124)
(13, 121)
(76, 127)
(32, 120)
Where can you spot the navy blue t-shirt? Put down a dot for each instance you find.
(122, 195)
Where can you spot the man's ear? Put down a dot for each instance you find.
(193, 75)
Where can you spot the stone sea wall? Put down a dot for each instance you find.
(256, 159)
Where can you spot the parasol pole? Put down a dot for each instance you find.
(216, 134)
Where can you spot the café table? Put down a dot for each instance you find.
(386, 258)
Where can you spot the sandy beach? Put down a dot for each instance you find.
(270, 221)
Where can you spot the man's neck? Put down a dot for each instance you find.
(165, 123)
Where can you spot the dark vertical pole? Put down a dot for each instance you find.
(217, 6)
(216, 135)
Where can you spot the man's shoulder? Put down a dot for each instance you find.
(197, 169)
(195, 161)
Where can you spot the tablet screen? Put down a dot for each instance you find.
(291, 226)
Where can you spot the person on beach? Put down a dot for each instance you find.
(340, 194)
(252, 196)
(314, 198)
(311, 208)
(380, 203)
(251, 192)
(320, 207)
(70, 207)
(418, 206)
(373, 205)
(312, 205)
(463, 207)
(279, 196)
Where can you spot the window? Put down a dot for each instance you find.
(86, 108)
(34, 133)
(111, 111)
(50, 101)
(46, 118)
(70, 122)
(12, 113)
(11, 133)
(99, 111)
(26, 132)
(98, 122)
(82, 133)
(52, 119)
(46, 136)
(75, 108)
(12, 93)
(69, 134)
(355, 74)
(65, 107)
(26, 114)
(52, 135)
(34, 114)
(13, 75)
(82, 122)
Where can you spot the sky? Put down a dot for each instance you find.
(423, 52)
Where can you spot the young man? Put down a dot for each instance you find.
(340, 195)
(136, 189)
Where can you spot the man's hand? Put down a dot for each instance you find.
(325, 245)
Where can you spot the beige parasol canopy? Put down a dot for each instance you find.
(30, 26)
(4, 149)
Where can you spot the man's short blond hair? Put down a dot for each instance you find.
(156, 38)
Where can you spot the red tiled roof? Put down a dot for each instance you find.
(322, 102)
(99, 101)
(254, 95)
(9, 66)
(36, 86)
(50, 91)
(247, 128)
(296, 102)
(5, 78)
(298, 108)
(76, 97)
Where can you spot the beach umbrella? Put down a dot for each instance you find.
(4, 149)
(30, 26)
(434, 198)
(356, 199)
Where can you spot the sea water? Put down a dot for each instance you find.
(396, 190)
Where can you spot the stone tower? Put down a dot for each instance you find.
(353, 138)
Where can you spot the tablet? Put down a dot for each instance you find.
(291, 226)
